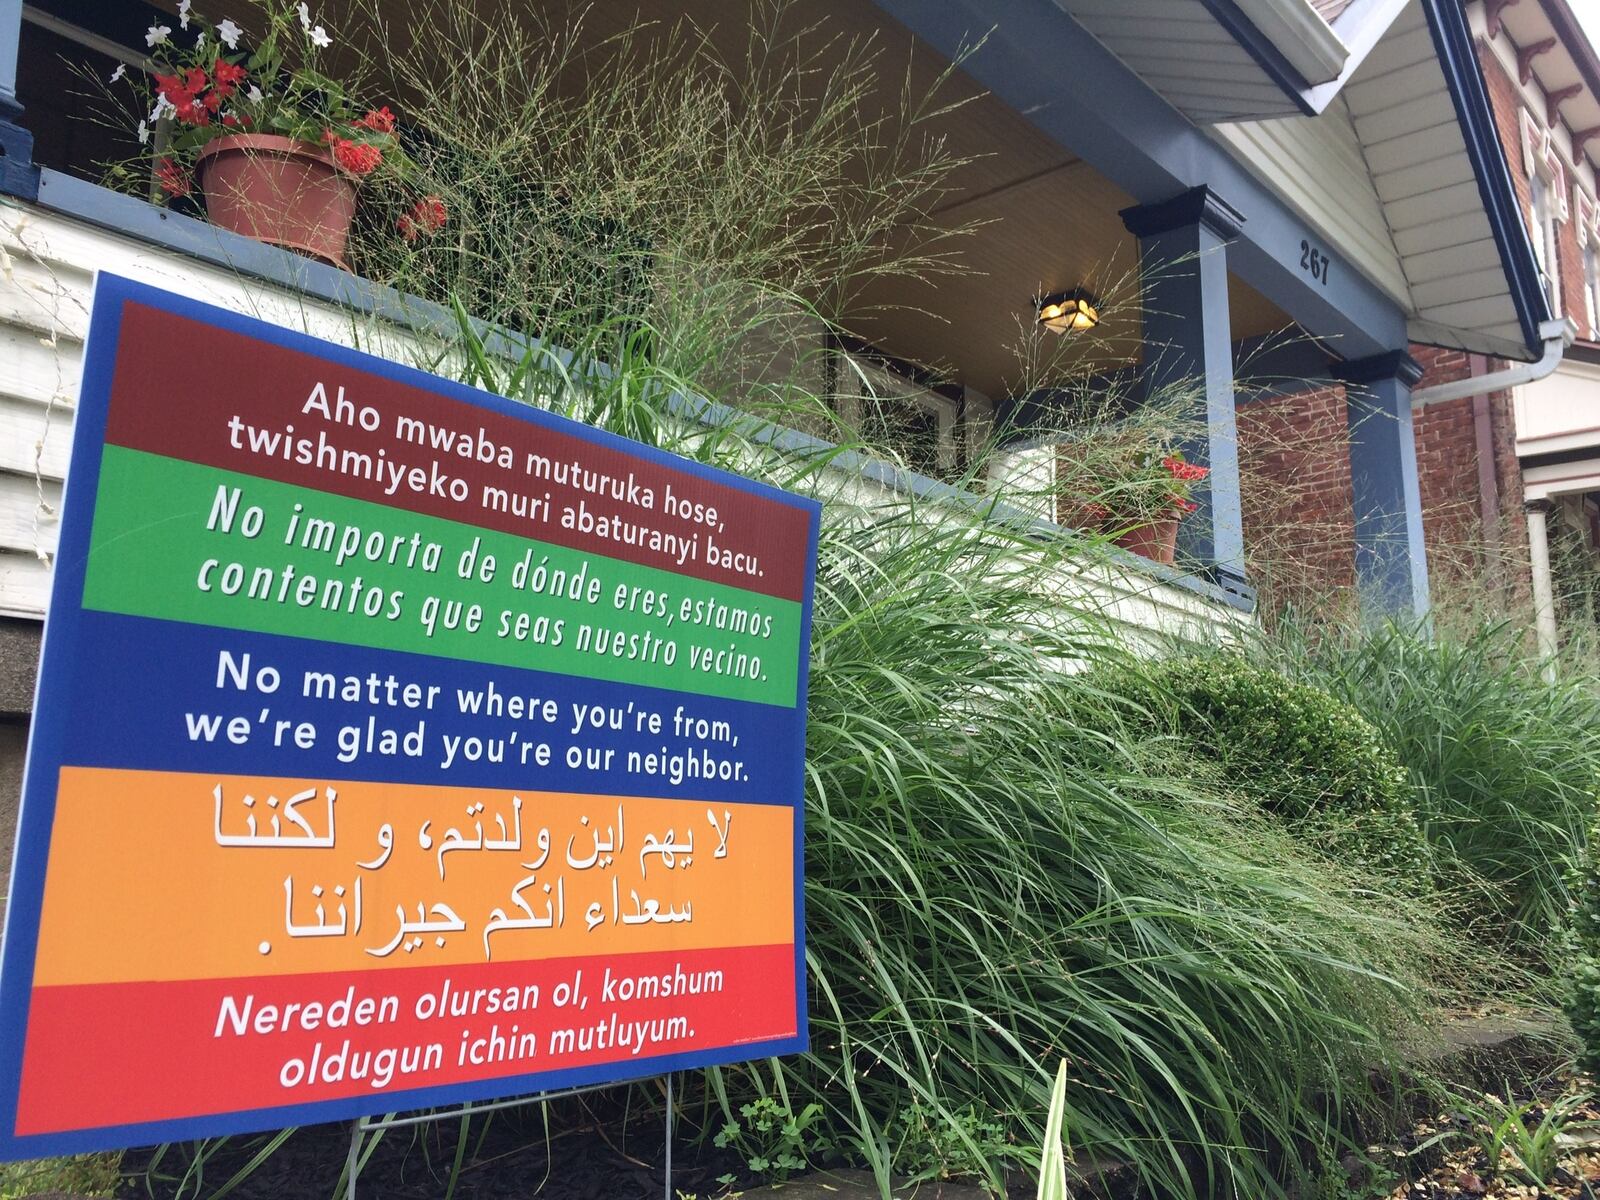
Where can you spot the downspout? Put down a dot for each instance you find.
(1488, 484)
(1557, 335)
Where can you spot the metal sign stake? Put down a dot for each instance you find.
(365, 1125)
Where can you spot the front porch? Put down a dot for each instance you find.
(1198, 249)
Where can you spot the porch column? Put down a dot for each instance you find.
(1391, 560)
(1544, 600)
(18, 175)
(1187, 341)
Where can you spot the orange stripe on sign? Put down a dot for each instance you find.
(167, 876)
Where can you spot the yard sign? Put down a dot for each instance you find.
(396, 745)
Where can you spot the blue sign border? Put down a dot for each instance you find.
(54, 714)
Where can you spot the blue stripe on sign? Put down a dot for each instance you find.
(160, 708)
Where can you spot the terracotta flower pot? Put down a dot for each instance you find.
(280, 191)
(1081, 514)
(1157, 540)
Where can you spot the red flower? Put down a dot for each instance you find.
(226, 77)
(1186, 471)
(379, 120)
(1183, 505)
(168, 86)
(427, 215)
(356, 157)
(183, 93)
(171, 178)
(236, 122)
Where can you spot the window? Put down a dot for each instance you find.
(894, 405)
(1543, 228)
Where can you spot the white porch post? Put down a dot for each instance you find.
(1544, 601)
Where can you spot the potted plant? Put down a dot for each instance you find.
(1129, 488)
(1149, 505)
(275, 148)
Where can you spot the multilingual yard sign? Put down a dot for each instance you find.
(396, 745)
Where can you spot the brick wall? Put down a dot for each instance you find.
(1294, 466)
(1294, 454)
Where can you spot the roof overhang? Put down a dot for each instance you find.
(1464, 269)
(1457, 61)
(1445, 181)
(1236, 60)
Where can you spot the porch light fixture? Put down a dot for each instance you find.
(1069, 312)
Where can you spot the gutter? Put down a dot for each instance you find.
(1300, 35)
(1557, 334)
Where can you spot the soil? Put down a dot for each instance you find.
(592, 1148)
(1455, 1154)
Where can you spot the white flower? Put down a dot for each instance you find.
(144, 134)
(183, 13)
(229, 33)
(157, 35)
(122, 69)
(319, 38)
(163, 108)
(305, 17)
(254, 95)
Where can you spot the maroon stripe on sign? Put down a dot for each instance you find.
(190, 390)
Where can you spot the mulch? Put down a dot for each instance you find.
(1446, 1154)
(596, 1147)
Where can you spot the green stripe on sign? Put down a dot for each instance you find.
(173, 540)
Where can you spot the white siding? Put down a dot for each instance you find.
(46, 273)
(1316, 164)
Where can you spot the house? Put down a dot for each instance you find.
(1330, 175)
(1507, 455)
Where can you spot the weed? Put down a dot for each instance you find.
(775, 1142)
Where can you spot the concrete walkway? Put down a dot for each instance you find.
(859, 1185)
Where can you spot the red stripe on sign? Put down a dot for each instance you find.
(159, 1051)
(190, 390)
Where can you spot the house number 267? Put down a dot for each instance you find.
(1314, 262)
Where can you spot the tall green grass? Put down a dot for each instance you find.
(996, 882)
(1504, 768)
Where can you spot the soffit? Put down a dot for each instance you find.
(1416, 153)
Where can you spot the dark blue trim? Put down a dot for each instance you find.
(1198, 206)
(1458, 60)
(18, 176)
(1396, 364)
(1268, 57)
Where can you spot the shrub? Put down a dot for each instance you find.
(1300, 752)
(1503, 767)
